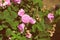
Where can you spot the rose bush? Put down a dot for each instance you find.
(24, 20)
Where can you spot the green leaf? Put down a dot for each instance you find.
(14, 25)
(39, 2)
(0, 38)
(35, 1)
(6, 15)
(1, 28)
(9, 9)
(1, 16)
(8, 32)
(44, 39)
(13, 14)
(41, 25)
(33, 28)
(38, 26)
(15, 8)
(36, 37)
(4, 26)
(58, 12)
(43, 34)
(17, 36)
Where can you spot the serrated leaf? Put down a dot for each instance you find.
(6, 14)
(38, 26)
(14, 25)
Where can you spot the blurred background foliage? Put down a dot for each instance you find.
(9, 20)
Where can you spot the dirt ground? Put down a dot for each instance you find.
(50, 3)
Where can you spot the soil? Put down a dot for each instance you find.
(50, 3)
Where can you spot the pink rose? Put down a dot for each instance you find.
(50, 16)
(1, 3)
(21, 27)
(17, 1)
(32, 21)
(21, 12)
(25, 18)
(28, 35)
(6, 2)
